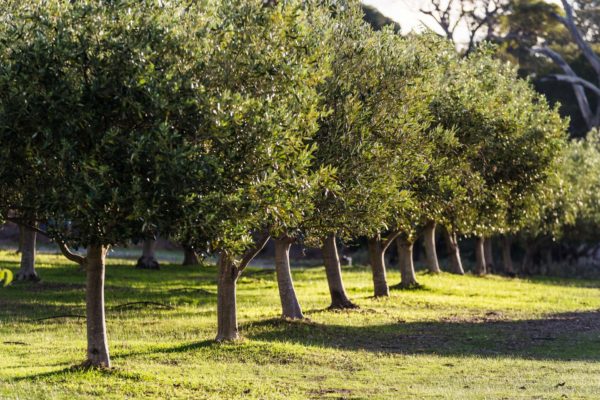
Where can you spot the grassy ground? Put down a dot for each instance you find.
(458, 337)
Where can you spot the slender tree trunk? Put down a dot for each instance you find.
(507, 257)
(407, 268)
(227, 326)
(339, 298)
(189, 256)
(453, 252)
(377, 259)
(488, 252)
(430, 252)
(289, 302)
(97, 349)
(148, 259)
(480, 256)
(27, 271)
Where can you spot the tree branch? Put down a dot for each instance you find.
(569, 23)
(575, 80)
(253, 252)
(64, 249)
(390, 239)
(69, 255)
(582, 100)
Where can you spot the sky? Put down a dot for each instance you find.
(406, 13)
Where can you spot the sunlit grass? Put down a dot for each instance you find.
(458, 337)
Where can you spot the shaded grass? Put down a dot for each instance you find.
(455, 337)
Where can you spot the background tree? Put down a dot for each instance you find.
(582, 86)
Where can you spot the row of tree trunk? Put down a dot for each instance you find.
(229, 272)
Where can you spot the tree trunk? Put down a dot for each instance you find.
(453, 252)
(189, 256)
(377, 259)
(148, 259)
(488, 252)
(507, 257)
(97, 349)
(227, 326)
(480, 256)
(21, 239)
(430, 252)
(289, 302)
(527, 265)
(339, 298)
(27, 270)
(407, 268)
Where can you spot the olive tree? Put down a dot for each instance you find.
(369, 137)
(90, 99)
(257, 72)
(510, 138)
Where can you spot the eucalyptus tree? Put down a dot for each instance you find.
(257, 72)
(90, 95)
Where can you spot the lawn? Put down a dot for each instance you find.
(459, 337)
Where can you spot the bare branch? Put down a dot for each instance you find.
(390, 239)
(582, 100)
(569, 22)
(69, 255)
(575, 80)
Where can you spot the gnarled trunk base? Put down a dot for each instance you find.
(148, 259)
(407, 268)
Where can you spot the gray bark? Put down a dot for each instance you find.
(227, 325)
(377, 259)
(287, 294)
(97, 349)
(430, 251)
(339, 298)
(453, 252)
(407, 268)
(480, 256)
(148, 259)
(229, 272)
(27, 271)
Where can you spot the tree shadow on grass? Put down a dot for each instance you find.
(80, 369)
(567, 336)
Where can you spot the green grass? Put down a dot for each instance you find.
(460, 337)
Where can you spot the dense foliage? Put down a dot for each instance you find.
(222, 123)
